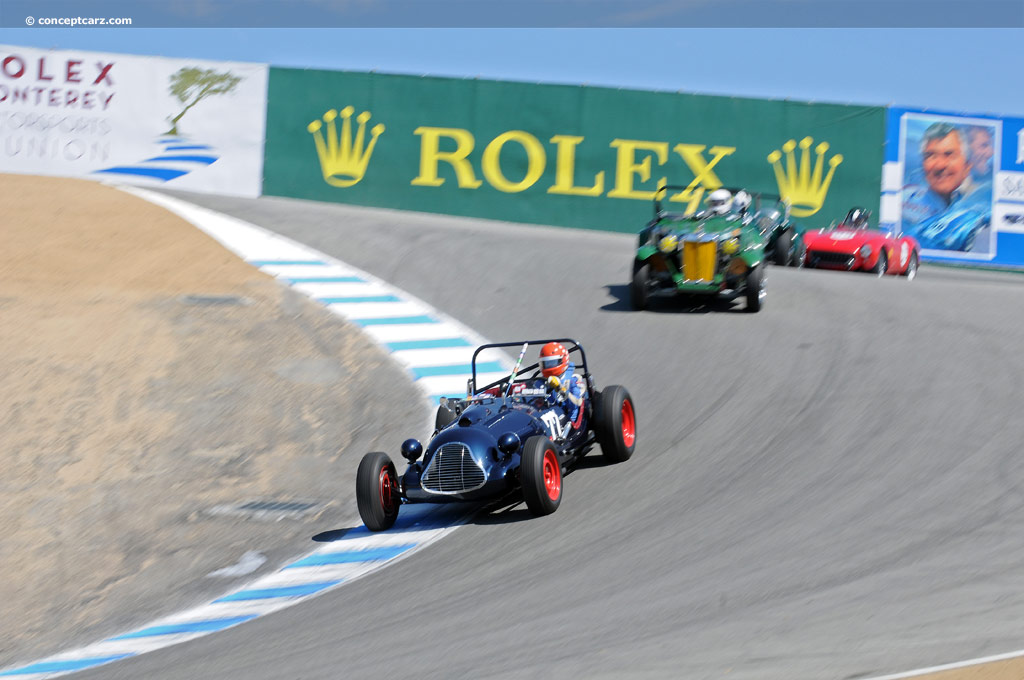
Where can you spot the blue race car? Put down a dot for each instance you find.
(506, 437)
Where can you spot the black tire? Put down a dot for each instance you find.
(799, 256)
(615, 423)
(783, 250)
(377, 491)
(638, 287)
(911, 271)
(882, 265)
(540, 473)
(755, 289)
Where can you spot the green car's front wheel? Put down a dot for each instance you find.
(639, 287)
(755, 288)
(783, 253)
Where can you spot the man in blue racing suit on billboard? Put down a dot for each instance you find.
(564, 388)
(948, 213)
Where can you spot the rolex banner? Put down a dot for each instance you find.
(175, 123)
(561, 155)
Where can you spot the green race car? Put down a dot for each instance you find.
(717, 251)
(785, 239)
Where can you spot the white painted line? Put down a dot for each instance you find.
(455, 385)
(446, 356)
(442, 356)
(951, 666)
(293, 271)
(322, 290)
(378, 310)
(400, 332)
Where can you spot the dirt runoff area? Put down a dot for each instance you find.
(151, 381)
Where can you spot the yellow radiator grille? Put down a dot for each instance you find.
(699, 258)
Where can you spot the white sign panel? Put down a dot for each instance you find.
(182, 124)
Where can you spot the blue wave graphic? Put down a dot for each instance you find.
(191, 159)
(165, 174)
(183, 164)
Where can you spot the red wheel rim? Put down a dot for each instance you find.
(387, 490)
(628, 423)
(552, 476)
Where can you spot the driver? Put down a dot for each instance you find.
(564, 388)
(719, 202)
(741, 203)
(857, 218)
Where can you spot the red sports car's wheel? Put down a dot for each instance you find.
(911, 272)
(615, 423)
(377, 492)
(541, 476)
(882, 265)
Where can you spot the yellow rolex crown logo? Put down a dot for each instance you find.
(343, 160)
(802, 187)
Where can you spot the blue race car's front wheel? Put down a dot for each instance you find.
(540, 473)
(377, 491)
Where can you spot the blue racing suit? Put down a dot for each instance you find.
(573, 387)
(941, 225)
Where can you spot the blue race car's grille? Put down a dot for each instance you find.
(453, 470)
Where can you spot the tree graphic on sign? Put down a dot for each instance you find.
(191, 85)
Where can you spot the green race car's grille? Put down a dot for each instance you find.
(699, 260)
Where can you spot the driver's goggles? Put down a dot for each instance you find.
(550, 362)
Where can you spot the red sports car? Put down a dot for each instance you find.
(854, 245)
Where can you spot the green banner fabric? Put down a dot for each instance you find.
(573, 156)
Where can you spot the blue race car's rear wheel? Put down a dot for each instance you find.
(541, 476)
(616, 423)
(377, 491)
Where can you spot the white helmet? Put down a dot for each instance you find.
(719, 201)
(741, 201)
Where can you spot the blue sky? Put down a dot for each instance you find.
(961, 70)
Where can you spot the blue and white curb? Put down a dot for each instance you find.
(434, 348)
(357, 553)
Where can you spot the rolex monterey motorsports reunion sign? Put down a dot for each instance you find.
(180, 123)
(552, 154)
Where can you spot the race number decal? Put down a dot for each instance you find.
(550, 420)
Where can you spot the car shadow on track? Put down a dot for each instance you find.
(512, 508)
(673, 304)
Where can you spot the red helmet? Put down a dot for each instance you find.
(553, 359)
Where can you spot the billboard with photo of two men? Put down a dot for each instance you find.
(955, 182)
